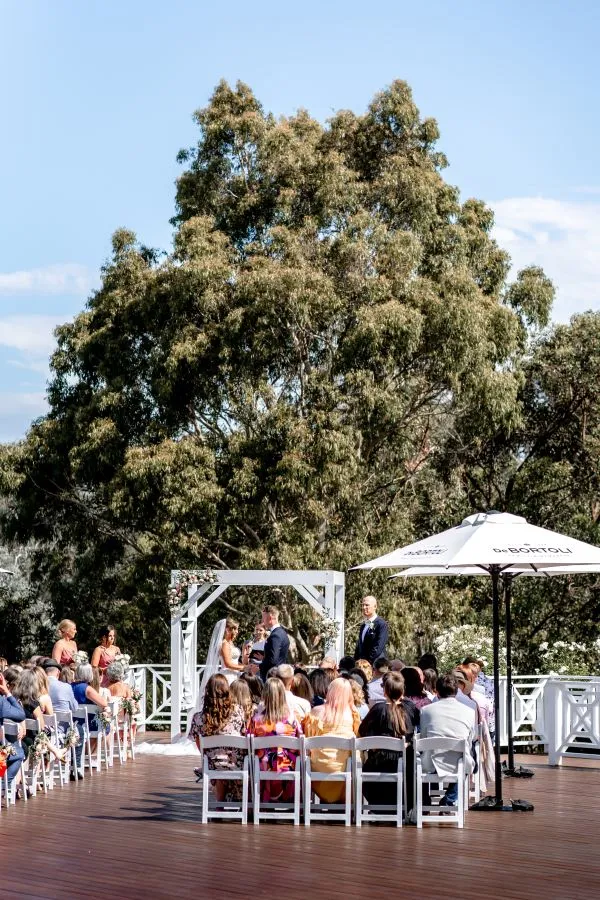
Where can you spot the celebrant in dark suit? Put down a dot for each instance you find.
(373, 633)
(278, 643)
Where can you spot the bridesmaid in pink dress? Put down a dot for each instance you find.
(105, 652)
(65, 647)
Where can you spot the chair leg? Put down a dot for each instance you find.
(245, 788)
(358, 803)
(256, 800)
(297, 795)
(419, 794)
(399, 796)
(205, 788)
(307, 793)
(348, 797)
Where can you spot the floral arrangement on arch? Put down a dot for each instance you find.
(460, 641)
(327, 631)
(569, 658)
(182, 579)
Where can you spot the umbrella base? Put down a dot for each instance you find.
(517, 772)
(489, 804)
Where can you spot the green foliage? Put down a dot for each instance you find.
(329, 363)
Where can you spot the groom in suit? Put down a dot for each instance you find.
(278, 643)
(373, 633)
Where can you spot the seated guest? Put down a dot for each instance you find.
(385, 719)
(346, 663)
(115, 677)
(320, 685)
(381, 667)
(337, 716)
(255, 687)
(11, 710)
(240, 695)
(3, 663)
(27, 691)
(301, 687)
(447, 718)
(67, 675)
(328, 663)
(63, 700)
(397, 665)
(98, 685)
(44, 698)
(366, 667)
(464, 693)
(413, 687)
(82, 687)
(273, 718)
(298, 707)
(429, 682)
(11, 676)
(427, 661)
(360, 676)
(220, 715)
(358, 695)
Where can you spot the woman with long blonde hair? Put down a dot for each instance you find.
(338, 717)
(273, 718)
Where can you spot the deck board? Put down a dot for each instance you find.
(136, 832)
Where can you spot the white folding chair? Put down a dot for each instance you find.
(232, 809)
(379, 812)
(437, 813)
(97, 732)
(323, 810)
(474, 780)
(81, 714)
(9, 733)
(36, 767)
(64, 721)
(280, 809)
(51, 723)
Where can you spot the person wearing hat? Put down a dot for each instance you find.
(63, 700)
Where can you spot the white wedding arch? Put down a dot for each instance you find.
(323, 590)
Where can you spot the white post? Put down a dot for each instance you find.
(553, 720)
(175, 678)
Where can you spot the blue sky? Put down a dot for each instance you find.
(96, 99)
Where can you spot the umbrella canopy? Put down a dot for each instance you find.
(493, 539)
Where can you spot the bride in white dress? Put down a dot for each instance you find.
(229, 654)
(223, 657)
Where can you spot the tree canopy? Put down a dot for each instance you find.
(329, 362)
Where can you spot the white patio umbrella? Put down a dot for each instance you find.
(495, 543)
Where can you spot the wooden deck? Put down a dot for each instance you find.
(135, 832)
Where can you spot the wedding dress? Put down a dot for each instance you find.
(182, 745)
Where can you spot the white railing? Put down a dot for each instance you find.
(559, 713)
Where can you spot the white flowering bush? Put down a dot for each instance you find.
(569, 658)
(460, 641)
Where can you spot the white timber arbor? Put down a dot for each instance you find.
(324, 591)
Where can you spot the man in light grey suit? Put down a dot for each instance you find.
(447, 718)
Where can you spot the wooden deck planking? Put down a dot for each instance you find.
(136, 832)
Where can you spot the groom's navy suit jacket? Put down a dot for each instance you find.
(373, 643)
(276, 650)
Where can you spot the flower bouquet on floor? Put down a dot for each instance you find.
(6, 751)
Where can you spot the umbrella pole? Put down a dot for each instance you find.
(495, 573)
(509, 684)
(510, 771)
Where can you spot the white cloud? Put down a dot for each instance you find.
(29, 334)
(62, 278)
(563, 237)
(30, 405)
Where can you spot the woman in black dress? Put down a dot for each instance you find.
(388, 719)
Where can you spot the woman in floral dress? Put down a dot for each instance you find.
(273, 718)
(220, 715)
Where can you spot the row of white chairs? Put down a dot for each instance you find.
(37, 776)
(353, 777)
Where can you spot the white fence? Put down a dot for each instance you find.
(560, 714)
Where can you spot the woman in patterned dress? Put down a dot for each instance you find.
(273, 718)
(220, 715)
